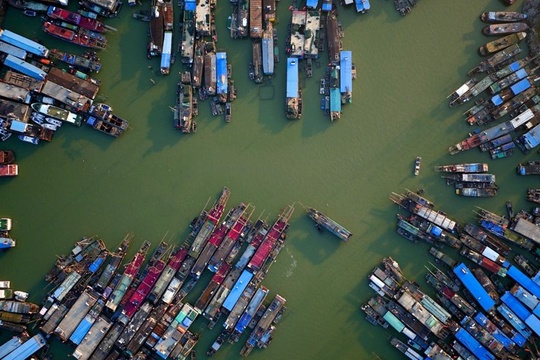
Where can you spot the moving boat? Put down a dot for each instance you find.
(58, 113)
(6, 243)
(417, 164)
(463, 168)
(476, 192)
(502, 16)
(80, 37)
(508, 28)
(502, 43)
(323, 221)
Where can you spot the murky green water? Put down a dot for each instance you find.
(153, 180)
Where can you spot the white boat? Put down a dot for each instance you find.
(417, 163)
(21, 295)
(53, 121)
(4, 284)
(57, 113)
(38, 120)
(28, 139)
(49, 126)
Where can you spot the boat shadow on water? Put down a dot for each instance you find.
(317, 246)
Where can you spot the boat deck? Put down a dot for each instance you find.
(92, 339)
(74, 316)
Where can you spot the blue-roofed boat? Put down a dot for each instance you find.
(522, 312)
(508, 343)
(237, 290)
(312, 4)
(326, 5)
(27, 349)
(362, 6)
(473, 345)
(345, 77)
(474, 287)
(19, 41)
(515, 321)
(249, 313)
(524, 280)
(24, 67)
(165, 65)
(221, 75)
(531, 139)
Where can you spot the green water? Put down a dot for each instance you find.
(153, 180)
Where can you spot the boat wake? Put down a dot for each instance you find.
(293, 265)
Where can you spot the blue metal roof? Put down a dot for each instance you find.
(18, 126)
(534, 324)
(96, 264)
(345, 76)
(238, 289)
(27, 349)
(312, 4)
(190, 5)
(23, 67)
(497, 334)
(474, 287)
(497, 100)
(292, 78)
(514, 321)
(473, 345)
(520, 86)
(514, 66)
(517, 307)
(524, 281)
(251, 309)
(268, 56)
(81, 330)
(335, 100)
(221, 72)
(166, 52)
(9, 346)
(521, 73)
(362, 5)
(532, 138)
(24, 43)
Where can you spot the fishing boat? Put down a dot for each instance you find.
(463, 168)
(502, 43)
(79, 37)
(81, 62)
(57, 113)
(324, 222)
(476, 192)
(6, 243)
(29, 139)
(531, 167)
(417, 164)
(6, 157)
(502, 16)
(30, 13)
(228, 112)
(503, 29)
(21, 295)
(75, 19)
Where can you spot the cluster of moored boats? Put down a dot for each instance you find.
(470, 179)
(510, 82)
(476, 313)
(108, 311)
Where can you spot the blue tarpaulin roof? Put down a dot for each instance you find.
(27, 349)
(534, 324)
(238, 289)
(474, 287)
(514, 66)
(221, 72)
(524, 281)
(514, 321)
(362, 5)
(497, 100)
(96, 264)
(292, 78)
(268, 56)
(345, 77)
(532, 138)
(312, 4)
(166, 52)
(473, 345)
(23, 67)
(190, 5)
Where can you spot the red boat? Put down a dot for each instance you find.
(80, 37)
(9, 170)
(143, 289)
(214, 284)
(76, 19)
(268, 243)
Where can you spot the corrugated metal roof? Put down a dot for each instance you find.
(520, 86)
(292, 78)
(26, 68)
(21, 42)
(28, 348)
(239, 287)
(345, 77)
(532, 138)
(13, 50)
(516, 306)
(312, 4)
(497, 334)
(474, 287)
(524, 281)
(81, 330)
(268, 56)
(393, 321)
(473, 345)
(514, 321)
